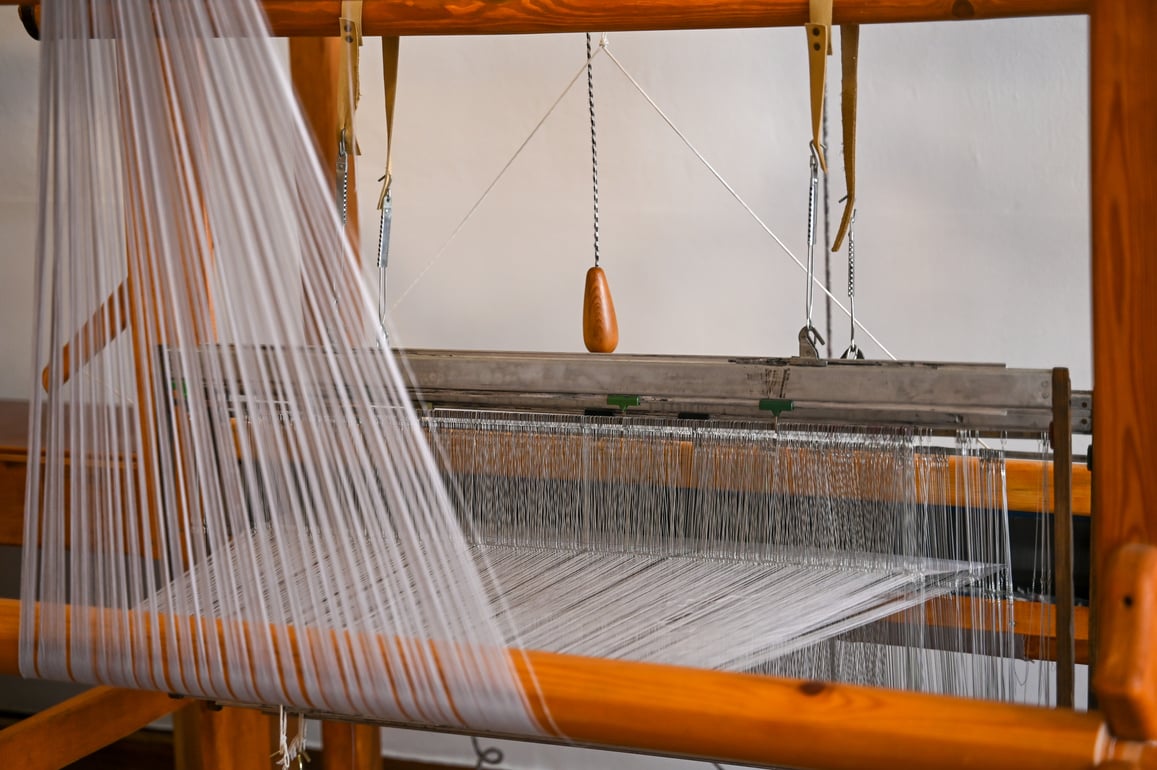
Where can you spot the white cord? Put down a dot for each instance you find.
(494, 182)
(738, 198)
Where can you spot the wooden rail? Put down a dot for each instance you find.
(81, 725)
(312, 18)
(735, 717)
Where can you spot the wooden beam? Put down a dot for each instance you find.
(740, 718)
(1123, 94)
(69, 731)
(765, 720)
(313, 18)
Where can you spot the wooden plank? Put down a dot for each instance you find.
(206, 737)
(1123, 92)
(737, 718)
(74, 729)
(311, 18)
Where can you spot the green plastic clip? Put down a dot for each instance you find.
(776, 406)
(623, 402)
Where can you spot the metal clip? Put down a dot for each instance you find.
(809, 339)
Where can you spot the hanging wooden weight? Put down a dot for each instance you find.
(600, 327)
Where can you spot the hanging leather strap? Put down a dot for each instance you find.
(349, 80)
(850, 54)
(819, 43)
(390, 49)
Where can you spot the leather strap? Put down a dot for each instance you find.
(349, 81)
(819, 41)
(390, 46)
(850, 55)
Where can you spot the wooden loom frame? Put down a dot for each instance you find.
(768, 720)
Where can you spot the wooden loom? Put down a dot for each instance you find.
(761, 720)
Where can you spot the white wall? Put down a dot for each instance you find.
(973, 234)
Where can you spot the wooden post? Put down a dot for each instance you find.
(349, 746)
(315, 64)
(209, 738)
(315, 67)
(1065, 593)
(1123, 138)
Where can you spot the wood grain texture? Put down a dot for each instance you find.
(764, 720)
(312, 18)
(349, 746)
(1123, 92)
(207, 738)
(730, 717)
(1126, 676)
(79, 726)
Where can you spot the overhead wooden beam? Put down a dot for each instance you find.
(72, 730)
(313, 18)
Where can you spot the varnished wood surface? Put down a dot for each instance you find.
(312, 18)
(600, 324)
(350, 746)
(1126, 677)
(764, 720)
(1034, 623)
(1063, 552)
(210, 738)
(153, 750)
(1123, 92)
(79, 726)
(735, 717)
(9, 637)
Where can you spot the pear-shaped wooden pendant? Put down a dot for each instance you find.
(600, 327)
